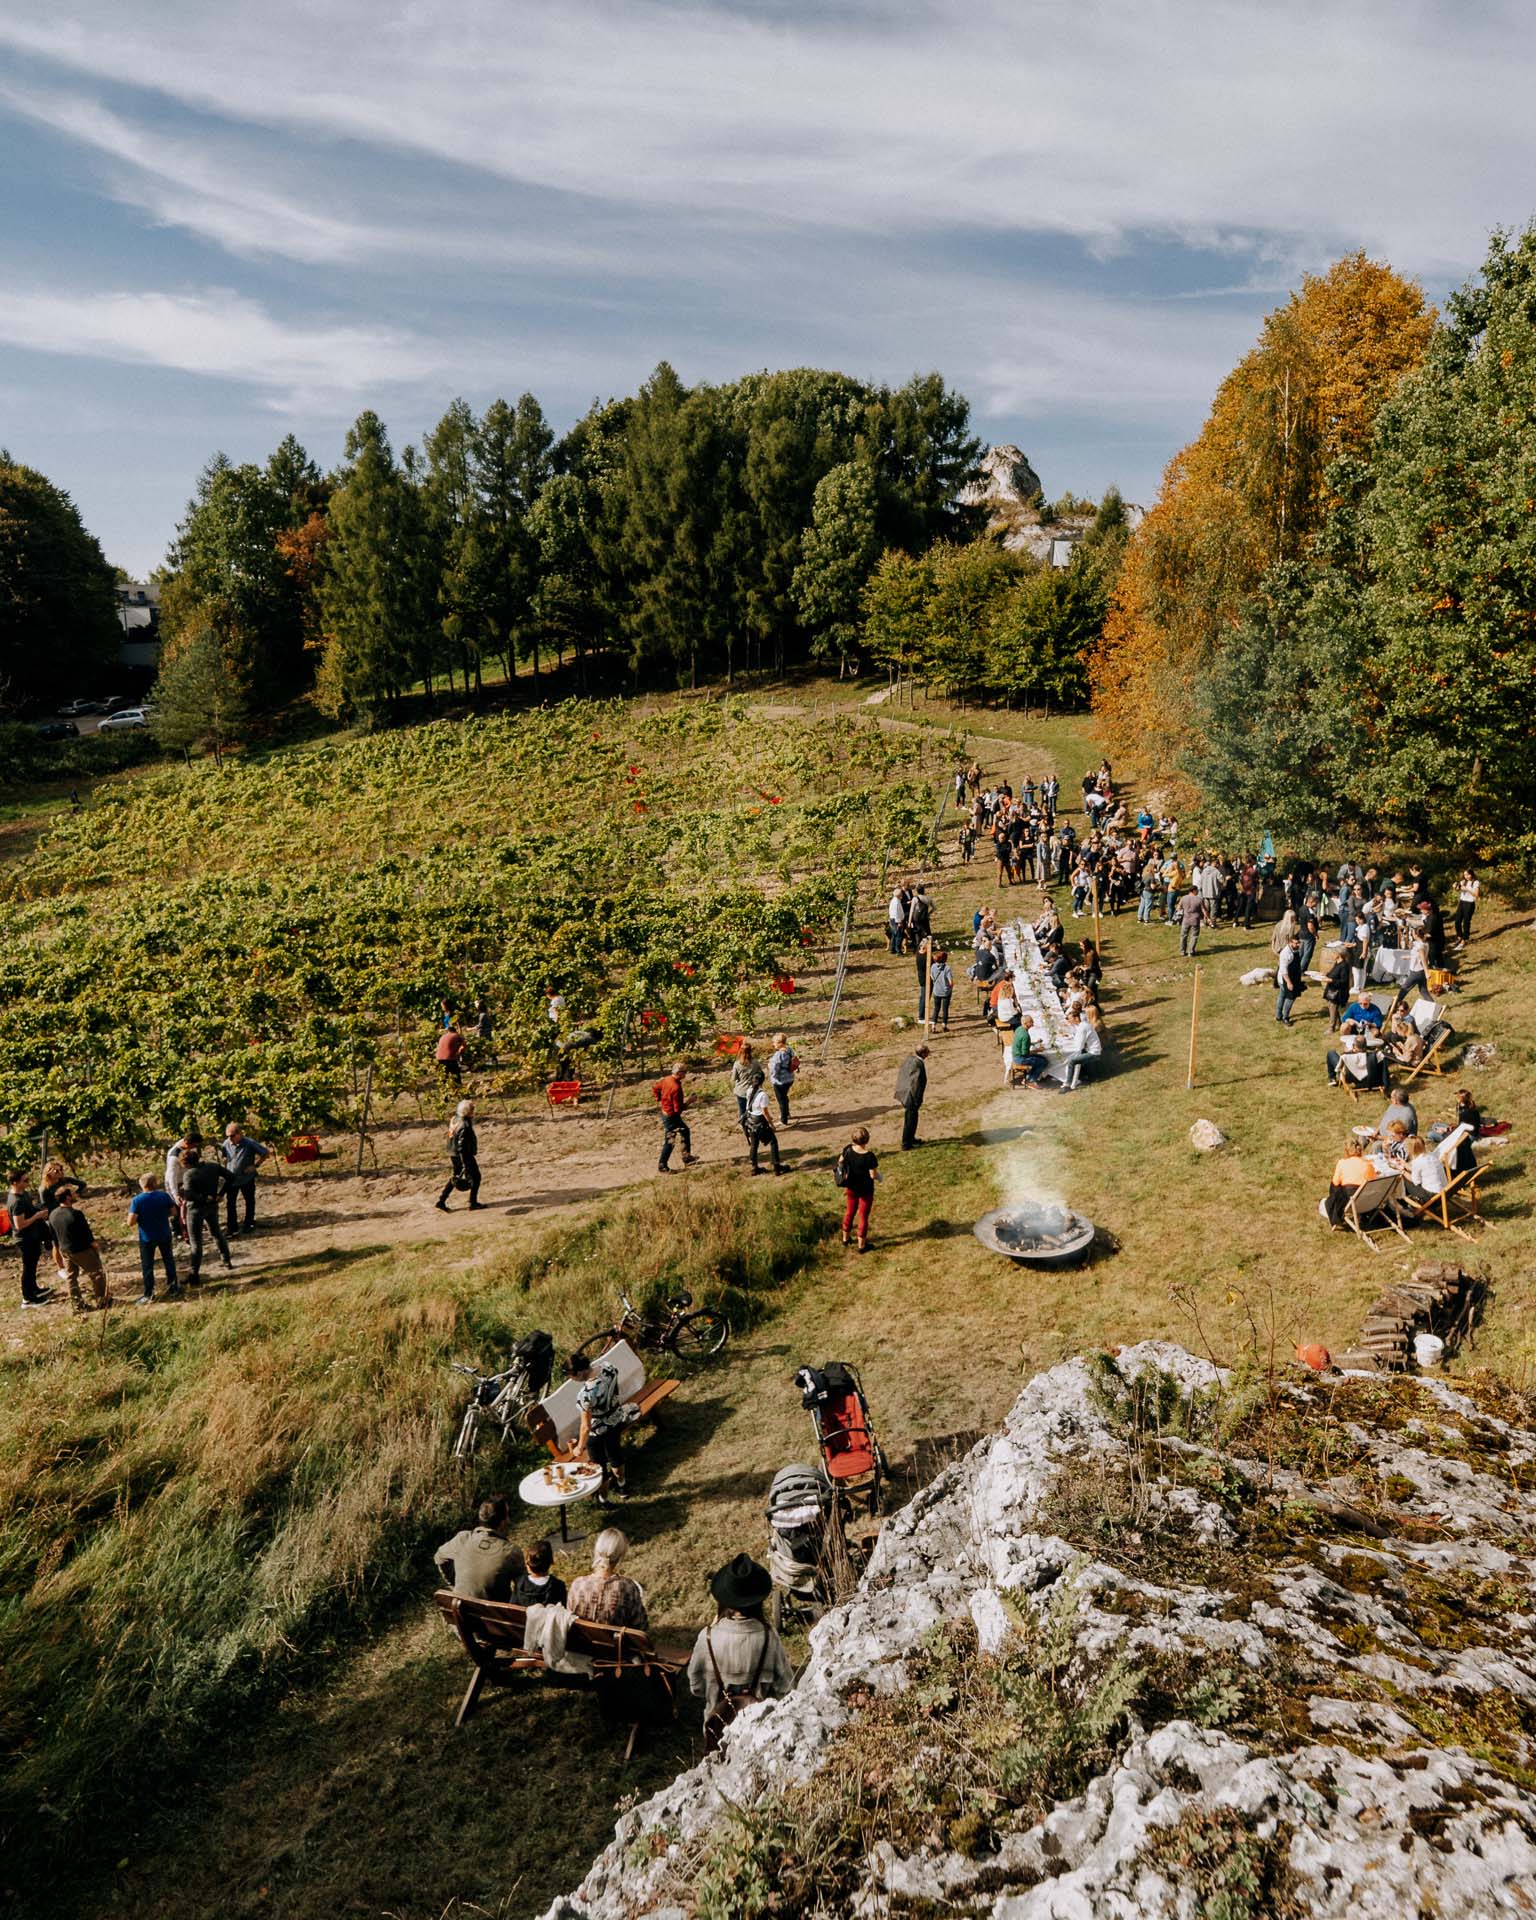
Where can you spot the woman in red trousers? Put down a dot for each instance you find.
(859, 1176)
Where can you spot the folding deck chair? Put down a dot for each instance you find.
(1375, 1202)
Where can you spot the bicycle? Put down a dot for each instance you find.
(695, 1335)
(503, 1399)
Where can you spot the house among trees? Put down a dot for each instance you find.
(138, 614)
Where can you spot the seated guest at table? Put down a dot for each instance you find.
(1047, 929)
(538, 1586)
(1468, 1115)
(1091, 965)
(1003, 1003)
(481, 1562)
(1393, 1146)
(1400, 1111)
(1061, 966)
(1350, 1173)
(1426, 1171)
(740, 1653)
(1359, 1057)
(1083, 1044)
(984, 970)
(606, 1596)
(1024, 1065)
(1365, 1012)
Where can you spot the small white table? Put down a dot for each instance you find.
(560, 1486)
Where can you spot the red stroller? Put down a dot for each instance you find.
(852, 1460)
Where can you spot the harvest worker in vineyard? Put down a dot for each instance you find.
(202, 1183)
(152, 1210)
(77, 1249)
(669, 1096)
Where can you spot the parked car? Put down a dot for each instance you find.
(75, 707)
(114, 703)
(55, 729)
(121, 722)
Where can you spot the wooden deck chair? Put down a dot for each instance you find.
(1463, 1199)
(1434, 1041)
(1376, 1202)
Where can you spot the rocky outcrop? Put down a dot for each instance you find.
(1005, 479)
(1172, 1643)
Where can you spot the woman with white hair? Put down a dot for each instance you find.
(606, 1596)
(463, 1157)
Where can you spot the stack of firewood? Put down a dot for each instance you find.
(1440, 1298)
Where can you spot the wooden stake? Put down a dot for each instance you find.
(1194, 1017)
(362, 1125)
(1098, 944)
(928, 992)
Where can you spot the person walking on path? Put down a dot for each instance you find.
(669, 1096)
(760, 1131)
(1288, 980)
(911, 1085)
(242, 1156)
(77, 1249)
(783, 1065)
(202, 1183)
(941, 984)
(1193, 914)
(152, 1210)
(463, 1158)
(29, 1223)
(746, 1078)
(858, 1170)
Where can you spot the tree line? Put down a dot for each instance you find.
(1328, 621)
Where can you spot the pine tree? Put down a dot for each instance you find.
(837, 550)
(368, 591)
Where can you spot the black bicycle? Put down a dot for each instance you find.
(501, 1400)
(692, 1333)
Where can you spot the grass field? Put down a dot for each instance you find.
(215, 1526)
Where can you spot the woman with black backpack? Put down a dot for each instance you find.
(463, 1157)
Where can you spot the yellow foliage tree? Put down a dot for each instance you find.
(1249, 492)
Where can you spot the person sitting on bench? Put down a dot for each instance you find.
(1350, 1173)
(1025, 1066)
(538, 1586)
(605, 1596)
(1083, 1045)
(481, 1562)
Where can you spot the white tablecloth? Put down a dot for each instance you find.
(1036, 994)
(1392, 963)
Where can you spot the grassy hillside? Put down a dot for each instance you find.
(216, 1524)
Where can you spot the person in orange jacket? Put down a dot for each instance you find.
(669, 1096)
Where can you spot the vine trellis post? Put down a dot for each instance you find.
(842, 969)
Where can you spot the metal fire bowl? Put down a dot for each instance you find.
(1018, 1233)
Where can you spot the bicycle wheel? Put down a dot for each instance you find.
(597, 1344)
(469, 1433)
(700, 1334)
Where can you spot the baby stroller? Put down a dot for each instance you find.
(797, 1543)
(852, 1461)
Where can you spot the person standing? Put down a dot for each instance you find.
(746, 1078)
(896, 918)
(29, 1223)
(1467, 890)
(485, 1031)
(858, 1170)
(760, 1130)
(941, 985)
(202, 1183)
(449, 1054)
(911, 1086)
(603, 1419)
(783, 1065)
(669, 1096)
(1193, 914)
(77, 1249)
(740, 1658)
(242, 1156)
(173, 1170)
(463, 1158)
(152, 1210)
(1288, 982)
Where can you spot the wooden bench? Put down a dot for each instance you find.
(555, 1421)
(492, 1634)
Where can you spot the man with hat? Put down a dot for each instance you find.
(739, 1658)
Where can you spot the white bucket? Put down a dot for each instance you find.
(1428, 1350)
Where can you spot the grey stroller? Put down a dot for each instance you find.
(798, 1503)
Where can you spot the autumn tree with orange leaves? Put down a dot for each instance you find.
(1248, 495)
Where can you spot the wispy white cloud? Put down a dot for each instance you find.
(220, 334)
(1387, 122)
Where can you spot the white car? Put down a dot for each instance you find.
(129, 717)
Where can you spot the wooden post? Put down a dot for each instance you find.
(928, 992)
(1194, 1018)
(1098, 944)
(362, 1125)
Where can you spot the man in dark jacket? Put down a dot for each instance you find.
(911, 1085)
(481, 1562)
(202, 1182)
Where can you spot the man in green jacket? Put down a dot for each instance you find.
(481, 1562)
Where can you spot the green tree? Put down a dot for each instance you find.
(1448, 529)
(454, 529)
(895, 602)
(837, 551)
(199, 701)
(512, 463)
(369, 591)
(58, 606)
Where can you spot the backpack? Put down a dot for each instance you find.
(732, 1700)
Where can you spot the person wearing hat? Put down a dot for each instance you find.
(739, 1653)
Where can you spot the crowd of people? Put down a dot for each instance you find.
(179, 1208)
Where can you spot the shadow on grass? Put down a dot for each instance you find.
(295, 1272)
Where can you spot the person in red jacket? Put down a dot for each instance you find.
(669, 1096)
(450, 1048)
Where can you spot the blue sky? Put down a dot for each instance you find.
(218, 228)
